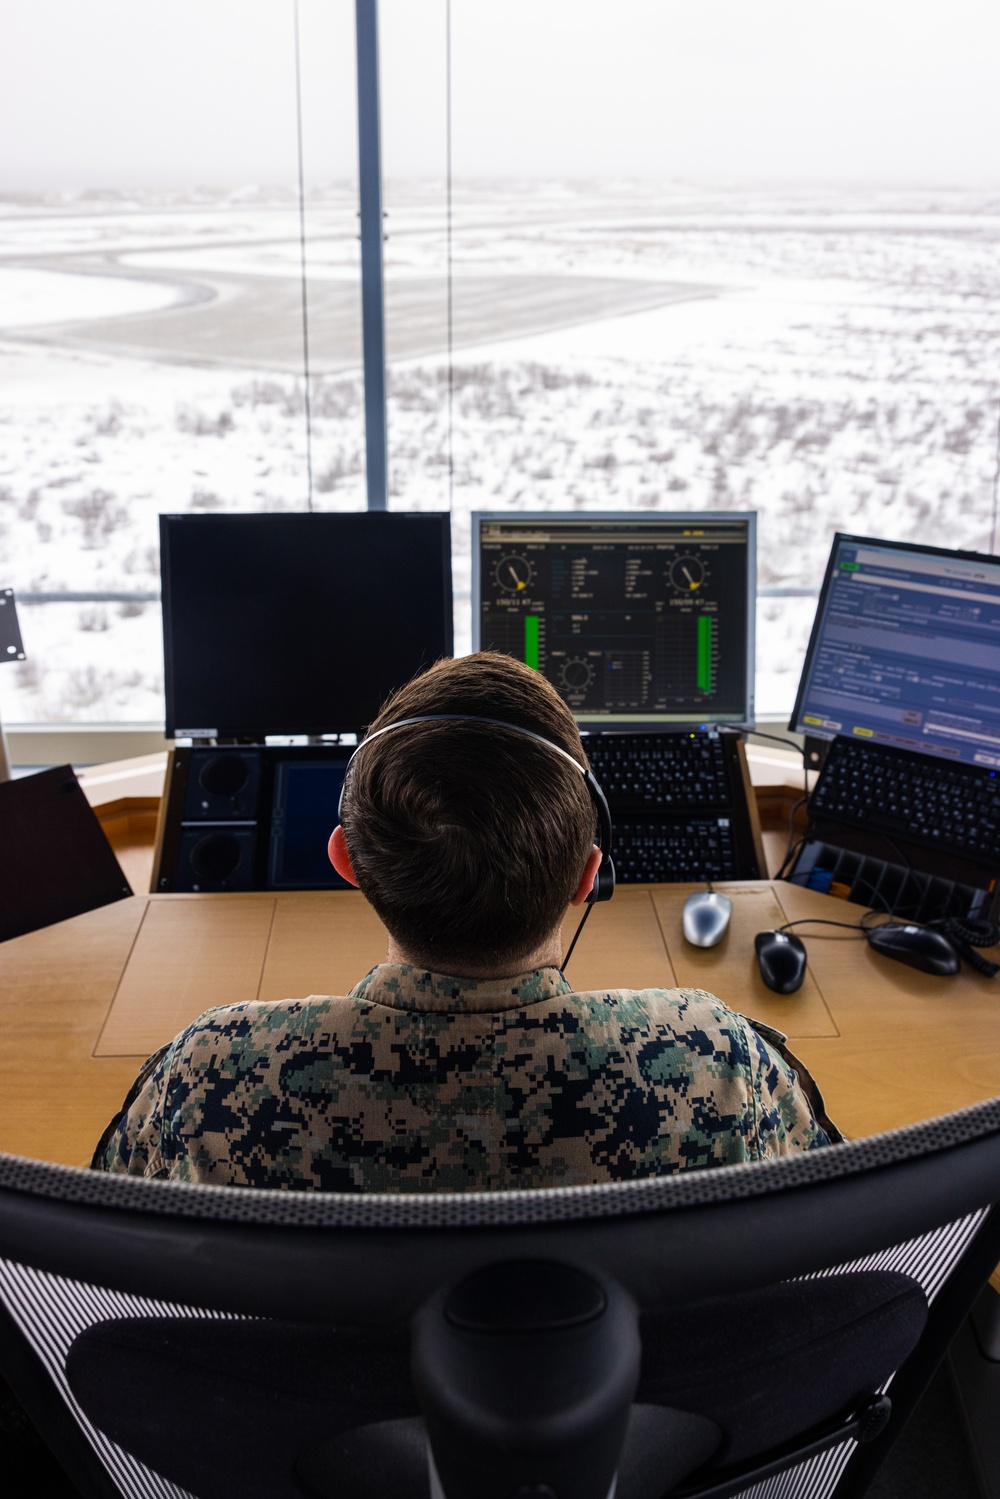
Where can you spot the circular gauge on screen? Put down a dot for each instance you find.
(576, 674)
(687, 573)
(513, 573)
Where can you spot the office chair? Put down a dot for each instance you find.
(757, 1330)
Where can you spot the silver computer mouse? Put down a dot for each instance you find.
(706, 917)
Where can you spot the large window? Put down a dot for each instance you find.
(702, 256)
(684, 256)
(151, 326)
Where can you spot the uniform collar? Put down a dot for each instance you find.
(401, 986)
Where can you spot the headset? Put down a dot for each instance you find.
(604, 884)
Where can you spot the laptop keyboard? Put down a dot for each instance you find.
(920, 800)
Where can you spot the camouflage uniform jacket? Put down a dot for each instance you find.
(416, 1082)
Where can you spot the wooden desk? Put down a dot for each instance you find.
(84, 1002)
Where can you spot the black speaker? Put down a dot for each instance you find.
(56, 861)
(215, 857)
(223, 785)
(254, 817)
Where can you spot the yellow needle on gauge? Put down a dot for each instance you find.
(513, 574)
(691, 582)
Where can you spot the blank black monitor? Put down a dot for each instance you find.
(298, 624)
(905, 650)
(639, 619)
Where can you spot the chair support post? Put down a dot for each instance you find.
(526, 1372)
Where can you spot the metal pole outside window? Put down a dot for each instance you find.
(372, 297)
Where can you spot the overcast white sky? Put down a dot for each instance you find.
(97, 93)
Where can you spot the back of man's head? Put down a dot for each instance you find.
(469, 840)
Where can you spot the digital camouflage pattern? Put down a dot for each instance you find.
(416, 1082)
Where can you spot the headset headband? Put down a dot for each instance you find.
(605, 884)
(496, 723)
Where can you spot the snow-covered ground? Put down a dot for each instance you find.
(829, 359)
(30, 298)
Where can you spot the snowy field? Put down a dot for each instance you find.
(829, 359)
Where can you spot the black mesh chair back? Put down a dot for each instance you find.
(760, 1331)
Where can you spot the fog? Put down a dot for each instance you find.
(115, 94)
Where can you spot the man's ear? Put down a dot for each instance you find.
(339, 857)
(587, 879)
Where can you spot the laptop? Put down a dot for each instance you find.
(901, 688)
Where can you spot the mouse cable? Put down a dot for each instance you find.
(790, 858)
(777, 739)
(803, 799)
(965, 936)
(901, 856)
(791, 834)
(576, 935)
(892, 916)
(787, 744)
(849, 926)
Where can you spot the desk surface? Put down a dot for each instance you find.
(84, 1002)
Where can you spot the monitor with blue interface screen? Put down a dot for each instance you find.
(641, 620)
(905, 650)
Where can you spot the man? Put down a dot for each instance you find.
(466, 1060)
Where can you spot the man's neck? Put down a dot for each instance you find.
(548, 954)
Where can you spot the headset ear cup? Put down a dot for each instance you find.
(604, 885)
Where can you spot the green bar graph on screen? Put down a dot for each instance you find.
(531, 640)
(706, 626)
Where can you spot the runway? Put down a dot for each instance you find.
(255, 322)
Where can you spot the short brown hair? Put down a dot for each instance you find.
(469, 840)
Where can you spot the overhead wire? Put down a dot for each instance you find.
(302, 260)
(448, 255)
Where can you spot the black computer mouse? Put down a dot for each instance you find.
(920, 946)
(782, 961)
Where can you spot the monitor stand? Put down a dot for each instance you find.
(815, 751)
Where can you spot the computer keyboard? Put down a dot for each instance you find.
(661, 772)
(914, 798)
(652, 851)
(675, 813)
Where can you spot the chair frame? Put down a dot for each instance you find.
(665, 1241)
